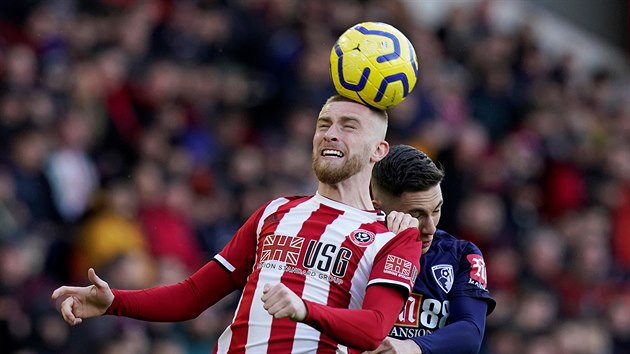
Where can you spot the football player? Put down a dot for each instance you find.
(446, 311)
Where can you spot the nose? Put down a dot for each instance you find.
(331, 134)
(428, 226)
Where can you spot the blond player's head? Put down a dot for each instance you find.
(349, 138)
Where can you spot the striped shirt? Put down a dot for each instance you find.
(324, 251)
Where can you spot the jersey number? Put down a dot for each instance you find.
(432, 313)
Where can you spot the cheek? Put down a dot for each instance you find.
(317, 137)
(436, 219)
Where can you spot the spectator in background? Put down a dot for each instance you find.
(112, 234)
(163, 214)
(29, 149)
(70, 170)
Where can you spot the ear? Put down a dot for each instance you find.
(380, 152)
(375, 200)
(377, 203)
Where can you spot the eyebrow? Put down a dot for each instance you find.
(342, 119)
(346, 119)
(424, 211)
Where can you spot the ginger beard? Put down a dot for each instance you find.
(328, 172)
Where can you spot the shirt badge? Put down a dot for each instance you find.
(443, 274)
(362, 238)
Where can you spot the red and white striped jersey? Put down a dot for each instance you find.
(324, 251)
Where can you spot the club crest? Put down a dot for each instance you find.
(443, 275)
(362, 238)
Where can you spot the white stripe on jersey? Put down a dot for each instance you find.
(314, 289)
(362, 274)
(224, 262)
(270, 209)
(259, 319)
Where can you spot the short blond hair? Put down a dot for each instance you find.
(339, 98)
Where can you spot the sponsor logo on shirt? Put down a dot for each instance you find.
(444, 276)
(327, 258)
(361, 238)
(323, 260)
(282, 248)
(478, 274)
(409, 316)
(405, 333)
(420, 316)
(399, 267)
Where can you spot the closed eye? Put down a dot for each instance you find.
(416, 214)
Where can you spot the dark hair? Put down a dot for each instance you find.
(406, 169)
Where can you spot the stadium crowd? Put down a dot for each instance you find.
(136, 136)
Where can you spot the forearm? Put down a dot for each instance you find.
(362, 329)
(177, 302)
(463, 335)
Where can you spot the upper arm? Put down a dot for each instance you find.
(398, 262)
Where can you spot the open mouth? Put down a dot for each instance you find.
(332, 153)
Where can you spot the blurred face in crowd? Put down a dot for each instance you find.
(349, 138)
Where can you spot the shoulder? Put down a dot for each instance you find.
(287, 201)
(447, 240)
(447, 243)
(269, 211)
(296, 197)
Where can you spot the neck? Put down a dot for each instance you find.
(355, 191)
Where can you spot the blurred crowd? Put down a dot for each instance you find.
(137, 135)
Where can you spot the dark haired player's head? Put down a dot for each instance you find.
(406, 180)
(405, 169)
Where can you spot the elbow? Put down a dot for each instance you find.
(373, 339)
(475, 345)
(194, 314)
(473, 348)
(469, 339)
(370, 345)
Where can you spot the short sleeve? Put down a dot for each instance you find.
(238, 255)
(472, 278)
(398, 262)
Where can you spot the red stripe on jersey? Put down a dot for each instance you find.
(339, 295)
(312, 230)
(240, 326)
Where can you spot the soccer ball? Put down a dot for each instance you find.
(375, 64)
